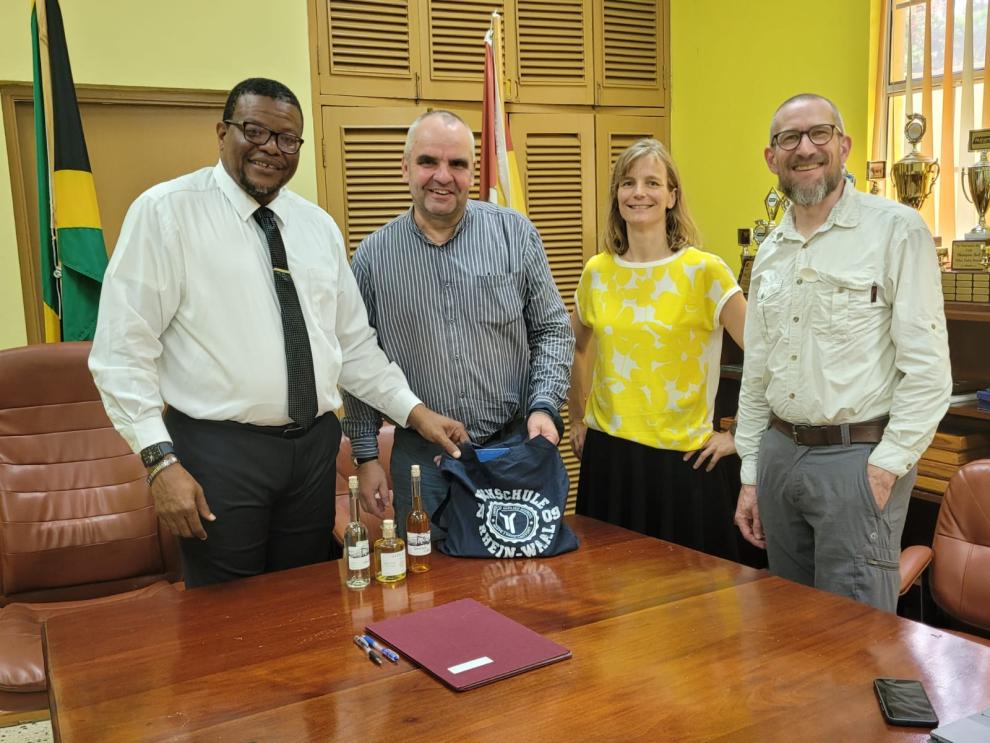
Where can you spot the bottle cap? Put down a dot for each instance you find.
(415, 470)
(388, 528)
(352, 481)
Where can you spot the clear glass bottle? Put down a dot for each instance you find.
(357, 551)
(418, 529)
(390, 555)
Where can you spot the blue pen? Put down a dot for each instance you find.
(372, 655)
(387, 652)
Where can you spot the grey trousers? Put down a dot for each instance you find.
(822, 525)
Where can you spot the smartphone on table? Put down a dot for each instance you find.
(904, 702)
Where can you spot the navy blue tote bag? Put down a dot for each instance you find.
(505, 500)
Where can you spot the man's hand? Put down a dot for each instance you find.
(718, 445)
(579, 431)
(541, 424)
(748, 517)
(439, 429)
(180, 502)
(373, 488)
(881, 483)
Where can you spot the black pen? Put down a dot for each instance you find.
(372, 655)
(387, 652)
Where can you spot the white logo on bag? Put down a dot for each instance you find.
(515, 523)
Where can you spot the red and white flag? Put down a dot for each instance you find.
(500, 182)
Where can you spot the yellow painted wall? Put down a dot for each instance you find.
(206, 44)
(732, 63)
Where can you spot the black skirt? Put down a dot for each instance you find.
(654, 492)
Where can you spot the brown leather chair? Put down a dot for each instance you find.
(346, 468)
(960, 551)
(77, 522)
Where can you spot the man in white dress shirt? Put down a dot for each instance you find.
(846, 374)
(229, 300)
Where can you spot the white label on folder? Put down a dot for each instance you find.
(467, 665)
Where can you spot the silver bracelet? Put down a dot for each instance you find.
(167, 461)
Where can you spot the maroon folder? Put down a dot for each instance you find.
(465, 644)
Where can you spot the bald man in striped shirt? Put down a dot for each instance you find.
(461, 295)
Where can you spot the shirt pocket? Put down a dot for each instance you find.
(321, 293)
(772, 302)
(844, 305)
(498, 298)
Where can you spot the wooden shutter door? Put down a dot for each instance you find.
(613, 133)
(552, 52)
(630, 52)
(362, 149)
(556, 160)
(367, 48)
(452, 35)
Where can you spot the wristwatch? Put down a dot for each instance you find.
(152, 455)
(358, 461)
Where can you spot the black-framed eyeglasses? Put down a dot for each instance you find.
(257, 134)
(819, 134)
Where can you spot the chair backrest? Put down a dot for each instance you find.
(346, 468)
(76, 517)
(960, 578)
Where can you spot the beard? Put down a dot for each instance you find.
(810, 194)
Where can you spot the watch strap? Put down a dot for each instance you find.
(152, 455)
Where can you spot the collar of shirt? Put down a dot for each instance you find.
(244, 204)
(415, 228)
(845, 214)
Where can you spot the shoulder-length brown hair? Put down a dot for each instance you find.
(681, 230)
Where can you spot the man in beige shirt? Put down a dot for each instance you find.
(846, 375)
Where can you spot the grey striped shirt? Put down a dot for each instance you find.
(476, 324)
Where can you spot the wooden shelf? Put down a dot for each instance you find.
(970, 311)
(968, 410)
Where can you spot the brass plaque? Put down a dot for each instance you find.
(979, 139)
(967, 255)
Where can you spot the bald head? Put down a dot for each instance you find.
(806, 98)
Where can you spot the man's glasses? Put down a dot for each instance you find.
(819, 135)
(259, 135)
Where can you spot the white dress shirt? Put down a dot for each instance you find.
(189, 316)
(845, 327)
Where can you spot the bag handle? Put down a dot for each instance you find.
(435, 519)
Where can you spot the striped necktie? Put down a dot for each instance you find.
(298, 356)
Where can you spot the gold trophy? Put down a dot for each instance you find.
(773, 203)
(978, 177)
(914, 174)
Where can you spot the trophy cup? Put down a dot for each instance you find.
(978, 177)
(914, 174)
(970, 254)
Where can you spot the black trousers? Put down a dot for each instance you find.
(273, 497)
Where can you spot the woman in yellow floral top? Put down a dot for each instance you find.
(655, 306)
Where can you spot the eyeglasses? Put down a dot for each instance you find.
(259, 135)
(819, 135)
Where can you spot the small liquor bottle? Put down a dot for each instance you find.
(418, 529)
(390, 555)
(356, 548)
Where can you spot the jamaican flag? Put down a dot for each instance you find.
(73, 256)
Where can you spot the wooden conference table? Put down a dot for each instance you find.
(668, 644)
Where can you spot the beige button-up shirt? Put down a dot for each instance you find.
(846, 326)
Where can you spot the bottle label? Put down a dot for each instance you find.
(418, 543)
(393, 563)
(358, 556)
